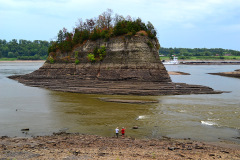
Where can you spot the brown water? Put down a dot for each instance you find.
(200, 117)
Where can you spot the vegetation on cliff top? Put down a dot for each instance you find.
(103, 27)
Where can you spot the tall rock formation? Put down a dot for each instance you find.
(130, 65)
(129, 59)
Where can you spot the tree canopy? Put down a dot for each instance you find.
(183, 53)
(102, 27)
(24, 49)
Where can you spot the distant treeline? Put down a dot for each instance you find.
(24, 49)
(188, 52)
(37, 49)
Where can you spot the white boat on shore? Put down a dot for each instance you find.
(174, 61)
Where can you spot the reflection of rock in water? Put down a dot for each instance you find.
(130, 67)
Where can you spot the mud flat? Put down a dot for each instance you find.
(78, 146)
(235, 74)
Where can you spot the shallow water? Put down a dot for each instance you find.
(200, 117)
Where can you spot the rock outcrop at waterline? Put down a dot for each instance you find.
(235, 74)
(131, 66)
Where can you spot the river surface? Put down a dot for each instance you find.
(200, 117)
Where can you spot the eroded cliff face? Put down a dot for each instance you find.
(135, 58)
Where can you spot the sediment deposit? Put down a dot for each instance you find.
(235, 74)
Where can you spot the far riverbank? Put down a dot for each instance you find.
(192, 62)
(207, 62)
(23, 61)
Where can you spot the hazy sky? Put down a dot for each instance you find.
(179, 23)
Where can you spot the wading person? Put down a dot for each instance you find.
(117, 131)
(123, 131)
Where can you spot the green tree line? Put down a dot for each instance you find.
(103, 27)
(24, 49)
(184, 53)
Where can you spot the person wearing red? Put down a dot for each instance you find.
(123, 131)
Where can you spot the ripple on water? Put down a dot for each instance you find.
(209, 123)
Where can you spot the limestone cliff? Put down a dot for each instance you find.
(135, 58)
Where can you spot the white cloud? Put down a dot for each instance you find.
(185, 16)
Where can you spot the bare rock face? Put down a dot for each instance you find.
(126, 59)
(131, 66)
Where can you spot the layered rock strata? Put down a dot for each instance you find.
(131, 66)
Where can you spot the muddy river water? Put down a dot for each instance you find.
(200, 117)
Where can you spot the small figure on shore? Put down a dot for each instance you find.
(117, 131)
(123, 131)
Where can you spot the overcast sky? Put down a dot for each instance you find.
(179, 23)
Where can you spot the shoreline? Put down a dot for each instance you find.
(22, 61)
(206, 62)
(180, 61)
(79, 146)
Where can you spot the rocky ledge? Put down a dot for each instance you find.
(76, 85)
(78, 146)
(130, 65)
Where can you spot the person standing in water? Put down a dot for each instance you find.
(123, 132)
(117, 131)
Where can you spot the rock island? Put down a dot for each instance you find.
(108, 57)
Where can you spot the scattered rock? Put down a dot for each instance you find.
(76, 153)
(198, 147)
(171, 148)
(25, 129)
(96, 147)
(181, 155)
(135, 127)
(4, 137)
(101, 154)
(225, 152)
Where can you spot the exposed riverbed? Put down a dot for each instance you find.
(200, 117)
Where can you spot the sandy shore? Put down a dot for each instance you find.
(78, 146)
